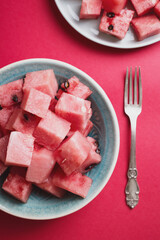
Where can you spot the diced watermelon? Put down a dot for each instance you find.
(113, 6)
(5, 114)
(88, 128)
(72, 153)
(76, 183)
(74, 87)
(116, 25)
(146, 26)
(51, 131)
(12, 119)
(23, 122)
(41, 166)
(36, 102)
(11, 93)
(157, 9)
(3, 147)
(93, 158)
(3, 168)
(75, 110)
(53, 104)
(44, 81)
(17, 186)
(90, 8)
(19, 150)
(48, 186)
(143, 6)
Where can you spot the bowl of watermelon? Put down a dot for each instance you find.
(59, 139)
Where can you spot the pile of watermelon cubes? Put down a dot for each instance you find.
(44, 136)
(115, 20)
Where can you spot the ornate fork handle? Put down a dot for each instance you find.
(132, 188)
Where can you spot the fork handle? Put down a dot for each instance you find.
(132, 188)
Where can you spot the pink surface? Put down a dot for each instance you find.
(35, 28)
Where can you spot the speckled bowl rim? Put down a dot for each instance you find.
(112, 113)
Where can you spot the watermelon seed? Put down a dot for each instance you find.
(66, 84)
(110, 15)
(56, 98)
(110, 27)
(25, 116)
(15, 98)
(90, 167)
(98, 151)
(96, 144)
(1, 107)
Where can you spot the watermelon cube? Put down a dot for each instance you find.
(93, 143)
(72, 152)
(11, 93)
(3, 147)
(19, 150)
(41, 165)
(3, 168)
(48, 186)
(157, 9)
(24, 122)
(5, 114)
(36, 102)
(116, 25)
(90, 9)
(75, 183)
(44, 81)
(143, 6)
(75, 87)
(146, 26)
(12, 119)
(75, 110)
(51, 131)
(92, 160)
(114, 6)
(17, 186)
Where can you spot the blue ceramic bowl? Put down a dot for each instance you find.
(42, 205)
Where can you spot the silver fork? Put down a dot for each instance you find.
(132, 108)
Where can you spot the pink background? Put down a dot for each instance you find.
(35, 28)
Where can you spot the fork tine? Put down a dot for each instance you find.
(135, 86)
(130, 87)
(126, 89)
(140, 88)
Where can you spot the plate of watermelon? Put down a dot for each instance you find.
(122, 24)
(59, 139)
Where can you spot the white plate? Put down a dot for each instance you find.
(89, 28)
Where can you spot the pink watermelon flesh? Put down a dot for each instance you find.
(3, 147)
(36, 102)
(19, 150)
(74, 87)
(72, 153)
(90, 9)
(48, 186)
(113, 6)
(41, 166)
(53, 104)
(21, 171)
(85, 132)
(146, 26)
(116, 25)
(75, 110)
(157, 9)
(76, 183)
(17, 186)
(11, 93)
(5, 114)
(51, 131)
(24, 122)
(143, 6)
(93, 158)
(3, 168)
(44, 81)
(12, 119)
